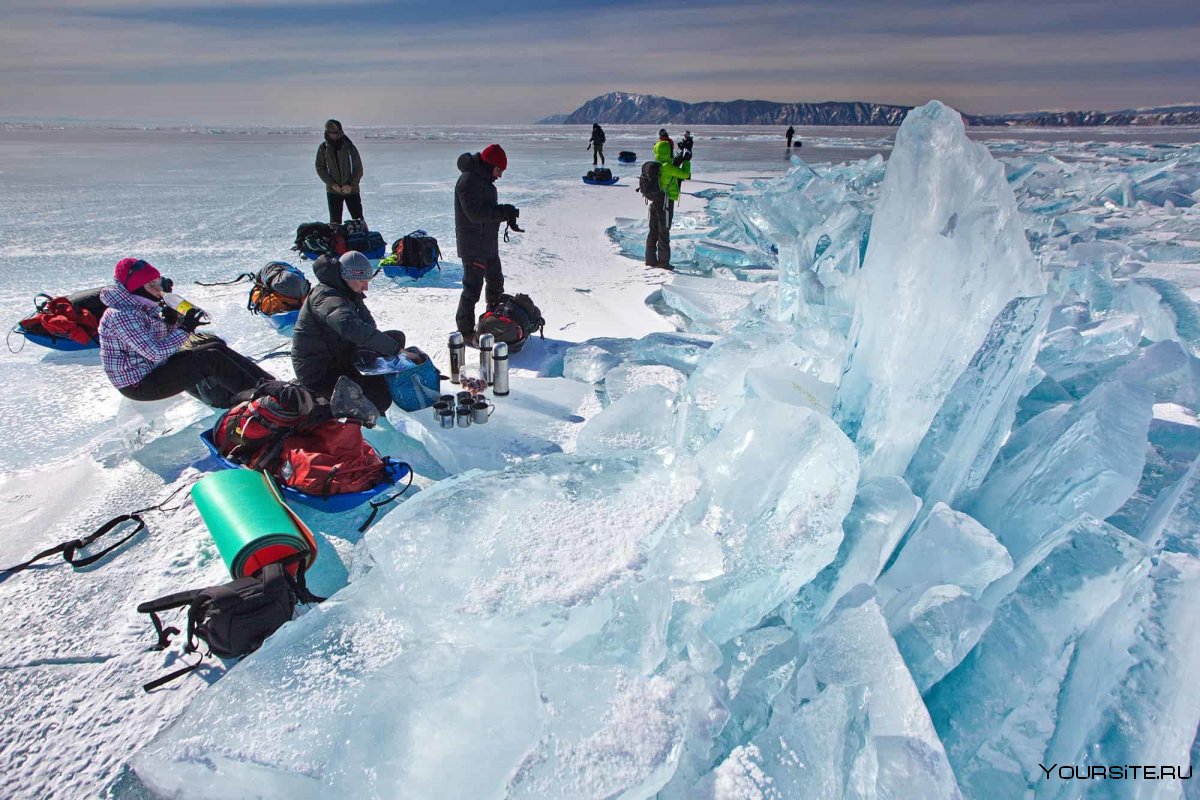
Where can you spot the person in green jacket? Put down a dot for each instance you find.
(340, 168)
(662, 208)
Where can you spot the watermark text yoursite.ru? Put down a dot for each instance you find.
(1119, 772)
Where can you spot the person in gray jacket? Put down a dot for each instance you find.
(334, 323)
(339, 166)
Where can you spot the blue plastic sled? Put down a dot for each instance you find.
(333, 503)
(56, 342)
(609, 182)
(397, 271)
(284, 320)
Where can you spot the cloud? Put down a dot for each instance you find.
(408, 62)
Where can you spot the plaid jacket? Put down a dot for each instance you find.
(133, 338)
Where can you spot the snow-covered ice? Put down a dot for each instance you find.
(889, 492)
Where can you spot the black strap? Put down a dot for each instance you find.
(244, 276)
(378, 504)
(179, 673)
(152, 607)
(68, 549)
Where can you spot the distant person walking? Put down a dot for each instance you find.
(662, 206)
(596, 143)
(340, 167)
(790, 133)
(686, 143)
(477, 218)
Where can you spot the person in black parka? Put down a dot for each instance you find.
(597, 143)
(477, 218)
(334, 323)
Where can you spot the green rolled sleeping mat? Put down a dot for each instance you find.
(249, 522)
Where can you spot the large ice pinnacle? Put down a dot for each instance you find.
(947, 253)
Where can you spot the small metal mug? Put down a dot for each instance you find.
(481, 411)
(464, 417)
(446, 417)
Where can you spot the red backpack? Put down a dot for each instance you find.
(57, 316)
(283, 429)
(252, 432)
(331, 458)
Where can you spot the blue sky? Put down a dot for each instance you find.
(293, 61)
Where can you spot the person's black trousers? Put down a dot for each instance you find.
(211, 358)
(353, 202)
(597, 152)
(477, 272)
(658, 240)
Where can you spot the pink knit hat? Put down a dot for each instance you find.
(134, 273)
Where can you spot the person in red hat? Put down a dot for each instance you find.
(150, 353)
(477, 218)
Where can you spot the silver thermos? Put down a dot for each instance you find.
(486, 342)
(500, 367)
(458, 349)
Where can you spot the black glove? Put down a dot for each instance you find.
(169, 315)
(193, 319)
(167, 284)
(508, 212)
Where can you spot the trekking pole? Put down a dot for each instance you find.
(714, 183)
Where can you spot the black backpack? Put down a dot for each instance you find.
(417, 249)
(512, 321)
(314, 237)
(600, 174)
(235, 618)
(365, 242)
(648, 182)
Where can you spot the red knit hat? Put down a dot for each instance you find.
(134, 273)
(494, 154)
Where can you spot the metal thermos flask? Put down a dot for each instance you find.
(486, 342)
(458, 349)
(500, 368)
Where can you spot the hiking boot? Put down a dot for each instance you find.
(471, 340)
(665, 266)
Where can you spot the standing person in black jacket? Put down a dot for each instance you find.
(477, 218)
(339, 166)
(334, 323)
(596, 143)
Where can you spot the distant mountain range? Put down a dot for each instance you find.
(647, 109)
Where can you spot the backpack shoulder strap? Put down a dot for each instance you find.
(166, 603)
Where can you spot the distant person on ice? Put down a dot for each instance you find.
(334, 323)
(790, 133)
(662, 208)
(339, 166)
(686, 143)
(477, 218)
(149, 352)
(596, 143)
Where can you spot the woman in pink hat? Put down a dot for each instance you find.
(150, 353)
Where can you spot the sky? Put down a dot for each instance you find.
(290, 62)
